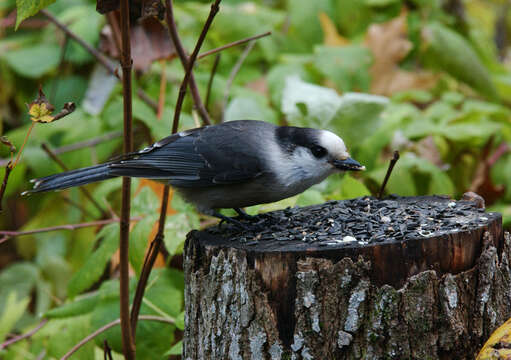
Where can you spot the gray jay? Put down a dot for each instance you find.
(231, 165)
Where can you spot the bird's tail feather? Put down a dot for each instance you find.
(72, 178)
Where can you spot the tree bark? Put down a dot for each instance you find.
(243, 302)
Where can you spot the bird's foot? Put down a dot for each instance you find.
(230, 220)
(243, 215)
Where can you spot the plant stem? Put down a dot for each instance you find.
(9, 234)
(235, 43)
(128, 342)
(171, 23)
(149, 260)
(163, 87)
(191, 62)
(211, 77)
(156, 243)
(103, 60)
(23, 145)
(104, 328)
(23, 336)
(393, 162)
(233, 73)
(8, 170)
(84, 191)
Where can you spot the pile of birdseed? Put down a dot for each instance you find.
(352, 223)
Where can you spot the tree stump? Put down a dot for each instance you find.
(402, 278)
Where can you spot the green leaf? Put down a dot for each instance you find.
(310, 197)
(27, 8)
(177, 349)
(348, 188)
(358, 117)
(85, 22)
(304, 21)
(21, 278)
(60, 335)
(164, 291)
(346, 66)
(75, 308)
(353, 116)
(176, 228)
(12, 312)
(35, 61)
(250, 109)
(449, 51)
(96, 263)
(139, 238)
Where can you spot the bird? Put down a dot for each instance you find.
(234, 164)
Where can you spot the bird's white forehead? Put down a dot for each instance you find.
(333, 144)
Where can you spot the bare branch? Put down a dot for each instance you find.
(84, 191)
(128, 342)
(8, 170)
(103, 60)
(233, 73)
(211, 77)
(171, 23)
(235, 43)
(104, 328)
(23, 336)
(156, 243)
(393, 162)
(7, 234)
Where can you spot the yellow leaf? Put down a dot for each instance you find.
(40, 113)
(330, 35)
(500, 337)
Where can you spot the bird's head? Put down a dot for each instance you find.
(317, 149)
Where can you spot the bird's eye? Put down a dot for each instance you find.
(318, 151)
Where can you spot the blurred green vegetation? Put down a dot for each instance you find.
(431, 79)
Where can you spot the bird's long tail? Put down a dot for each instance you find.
(72, 178)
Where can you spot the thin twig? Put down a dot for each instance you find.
(84, 191)
(149, 260)
(107, 350)
(94, 52)
(211, 77)
(7, 234)
(233, 73)
(23, 145)
(393, 162)
(87, 143)
(8, 170)
(171, 23)
(156, 243)
(15, 339)
(163, 87)
(191, 62)
(235, 43)
(128, 341)
(78, 206)
(56, 81)
(104, 328)
(103, 60)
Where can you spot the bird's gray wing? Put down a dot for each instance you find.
(208, 156)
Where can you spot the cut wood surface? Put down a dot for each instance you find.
(401, 278)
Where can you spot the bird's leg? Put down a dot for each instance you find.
(243, 214)
(228, 219)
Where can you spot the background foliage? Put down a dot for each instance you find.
(430, 78)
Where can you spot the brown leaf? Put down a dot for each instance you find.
(149, 42)
(104, 6)
(389, 44)
(330, 35)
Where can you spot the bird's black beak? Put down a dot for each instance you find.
(348, 164)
